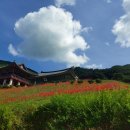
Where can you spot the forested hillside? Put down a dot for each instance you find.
(121, 73)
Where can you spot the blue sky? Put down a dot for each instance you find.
(54, 34)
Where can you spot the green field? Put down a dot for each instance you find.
(66, 106)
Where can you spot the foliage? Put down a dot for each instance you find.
(72, 82)
(90, 81)
(80, 81)
(66, 106)
(98, 80)
(8, 120)
(121, 73)
(126, 78)
(100, 111)
(118, 76)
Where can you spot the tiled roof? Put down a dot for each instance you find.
(22, 66)
(53, 72)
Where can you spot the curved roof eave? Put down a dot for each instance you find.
(13, 63)
(25, 70)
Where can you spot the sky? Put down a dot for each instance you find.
(49, 35)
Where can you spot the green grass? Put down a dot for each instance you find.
(98, 111)
(106, 110)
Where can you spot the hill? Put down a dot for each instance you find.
(121, 73)
(4, 63)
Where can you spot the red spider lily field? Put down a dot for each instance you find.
(43, 91)
(66, 106)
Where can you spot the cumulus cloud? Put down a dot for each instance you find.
(64, 2)
(121, 29)
(94, 66)
(126, 5)
(51, 34)
(12, 50)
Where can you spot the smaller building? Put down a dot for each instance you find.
(57, 76)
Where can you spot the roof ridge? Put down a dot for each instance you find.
(57, 70)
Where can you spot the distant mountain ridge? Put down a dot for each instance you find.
(117, 72)
(4, 63)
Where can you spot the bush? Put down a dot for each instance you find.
(64, 81)
(108, 110)
(100, 111)
(80, 81)
(90, 81)
(98, 80)
(72, 82)
(8, 120)
(1, 86)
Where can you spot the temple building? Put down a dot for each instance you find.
(13, 74)
(57, 76)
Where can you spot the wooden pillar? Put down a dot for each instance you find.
(4, 82)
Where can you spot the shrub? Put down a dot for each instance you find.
(101, 111)
(8, 120)
(64, 81)
(98, 80)
(1, 86)
(108, 110)
(80, 81)
(90, 81)
(72, 82)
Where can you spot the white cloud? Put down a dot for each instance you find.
(108, 1)
(51, 34)
(121, 29)
(64, 2)
(12, 50)
(87, 29)
(126, 5)
(94, 66)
